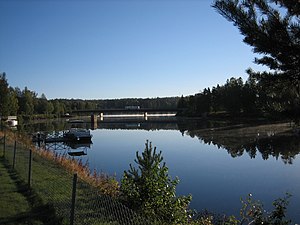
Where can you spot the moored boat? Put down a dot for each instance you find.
(77, 134)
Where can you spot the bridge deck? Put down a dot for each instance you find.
(141, 110)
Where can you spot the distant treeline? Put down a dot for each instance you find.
(272, 30)
(239, 98)
(26, 103)
(234, 98)
(155, 103)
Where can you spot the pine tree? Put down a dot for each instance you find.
(4, 96)
(150, 190)
(13, 102)
(272, 28)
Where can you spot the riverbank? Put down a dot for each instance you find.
(49, 179)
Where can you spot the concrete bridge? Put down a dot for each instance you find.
(125, 111)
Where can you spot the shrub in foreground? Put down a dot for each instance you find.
(150, 190)
(251, 212)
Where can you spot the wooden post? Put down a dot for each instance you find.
(29, 168)
(39, 139)
(15, 150)
(72, 213)
(145, 115)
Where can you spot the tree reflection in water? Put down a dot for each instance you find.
(276, 140)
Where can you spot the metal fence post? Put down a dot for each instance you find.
(72, 214)
(29, 169)
(4, 145)
(15, 150)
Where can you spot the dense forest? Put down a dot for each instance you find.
(28, 104)
(272, 29)
(234, 98)
(239, 98)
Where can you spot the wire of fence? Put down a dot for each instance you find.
(60, 188)
(104, 208)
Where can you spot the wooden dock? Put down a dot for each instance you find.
(54, 139)
(47, 138)
(64, 136)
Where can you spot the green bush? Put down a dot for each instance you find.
(150, 190)
(253, 212)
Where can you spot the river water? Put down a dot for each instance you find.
(216, 163)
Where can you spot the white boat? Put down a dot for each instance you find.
(12, 123)
(77, 134)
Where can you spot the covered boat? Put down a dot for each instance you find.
(77, 134)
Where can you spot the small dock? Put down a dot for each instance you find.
(54, 139)
(73, 135)
(64, 140)
(48, 138)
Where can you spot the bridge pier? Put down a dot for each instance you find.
(94, 121)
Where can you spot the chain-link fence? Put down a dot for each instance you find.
(75, 201)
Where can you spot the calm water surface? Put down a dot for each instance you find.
(215, 176)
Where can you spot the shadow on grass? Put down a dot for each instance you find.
(40, 213)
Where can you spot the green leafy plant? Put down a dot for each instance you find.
(253, 212)
(150, 190)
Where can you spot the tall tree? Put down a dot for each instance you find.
(4, 95)
(13, 102)
(41, 105)
(182, 103)
(49, 108)
(272, 28)
(233, 95)
(59, 108)
(26, 102)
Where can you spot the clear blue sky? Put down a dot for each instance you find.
(99, 49)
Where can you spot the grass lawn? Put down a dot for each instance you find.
(12, 201)
(18, 205)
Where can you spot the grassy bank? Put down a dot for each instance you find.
(51, 187)
(13, 203)
(20, 205)
(96, 194)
